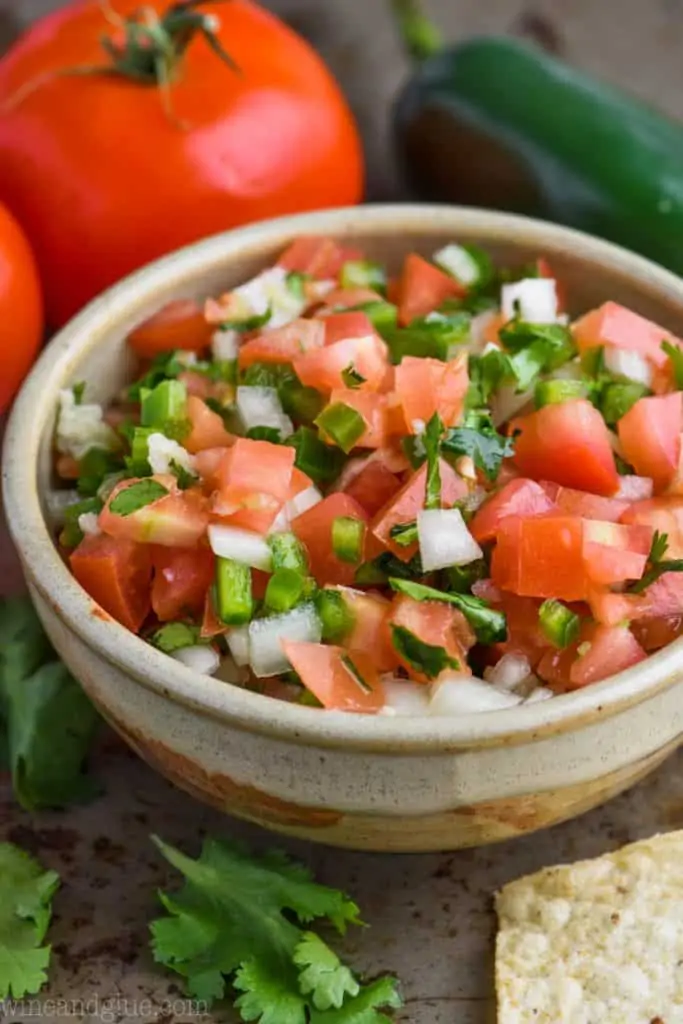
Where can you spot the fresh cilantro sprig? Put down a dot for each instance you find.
(657, 564)
(351, 377)
(428, 659)
(480, 440)
(489, 625)
(431, 440)
(136, 496)
(675, 354)
(404, 534)
(245, 921)
(26, 892)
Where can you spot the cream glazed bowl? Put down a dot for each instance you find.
(365, 782)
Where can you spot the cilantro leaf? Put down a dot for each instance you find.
(432, 443)
(404, 534)
(675, 354)
(657, 565)
(479, 439)
(364, 1008)
(138, 495)
(268, 996)
(165, 366)
(250, 323)
(428, 659)
(351, 377)
(489, 625)
(553, 343)
(184, 476)
(295, 282)
(323, 976)
(26, 892)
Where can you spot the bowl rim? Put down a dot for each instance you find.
(49, 576)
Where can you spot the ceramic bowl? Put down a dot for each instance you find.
(365, 782)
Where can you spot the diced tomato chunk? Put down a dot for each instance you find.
(182, 577)
(323, 368)
(211, 624)
(178, 519)
(525, 635)
(370, 632)
(425, 386)
(328, 672)
(404, 507)
(519, 497)
(652, 634)
(581, 503)
(541, 557)
(314, 530)
(569, 444)
(437, 624)
(611, 649)
(662, 599)
(299, 482)
(255, 478)
(282, 344)
(423, 288)
(650, 434)
(116, 574)
(346, 298)
(340, 326)
(206, 464)
(177, 325)
(612, 324)
(608, 565)
(208, 429)
(320, 257)
(373, 486)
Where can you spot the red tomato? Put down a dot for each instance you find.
(325, 671)
(370, 633)
(314, 530)
(580, 503)
(322, 368)
(255, 478)
(425, 386)
(206, 463)
(612, 324)
(340, 326)
(282, 344)
(569, 444)
(652, 634)
(435, 623)
(404, 507)
(423, 288)
(373, 486)
(299, 482)
(182, 577)
(541, 557)
(664, 514)
(662, 599)
(373, 409)
(544, 269)
(116, 574)
(555, 665)
(610, 650)
(211, 624)
(347, 297)
(178, 325)
(237, 147)
(208, 429)
(21, 307)
(320, 257)
(520, 497)
(650, 434)
(525, 635)
(177, 520)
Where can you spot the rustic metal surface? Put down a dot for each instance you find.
(431, 916)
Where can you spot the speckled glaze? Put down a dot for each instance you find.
(362, 782)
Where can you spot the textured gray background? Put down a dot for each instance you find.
(430, 916)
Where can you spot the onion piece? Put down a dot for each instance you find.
(89, 524)
(243, 546)
(538, 694)
(536, 298)
(56, 503)
(506, 402)
(199, 657)
(261, 407)
(225, 345)
(444, 539)
(296, 506)
(265, 635)
(462, 695)
(457, 262)
(238, 644)
(404, 697)
(509, 672)
(630, 365)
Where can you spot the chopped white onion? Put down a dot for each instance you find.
(296, 506)
(242, 546)
(89, 524)
(269, 290)
(634, 488)
(238, 644)
(509, 672)
(444, 539)
(319, 289)
(265, 635)
(461, 695)
(81, 427)
(506, 403)
(626, 363)
(404, 697)
(473, 500)
(56, 503)
(225, 344)
(457, 262)
(536, 298)
(199, 657)
(538, 694)
(162, 451)
(261, 407)
(187, 358)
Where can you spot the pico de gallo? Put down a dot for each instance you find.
(428, 493)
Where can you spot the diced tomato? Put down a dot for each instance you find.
(652, 634)
(320, 257)
(634, 488)
(206, 464)
(612, 324)
(178, 325)
(611, 650)
(525, 635)
(314, 530)
(208, 429)
(404, 507)
(662, 599)
(544, 269)
(326, 672)
(650, 434)
(348, 297)
(664, 514)
(182, 577)
(519, 497)
(340, 326)
(370, 632)
(372, 407)
(425, 386)
(608, 565)
(255, 478)
(569, 444)
(177, 520)
(282, 344)
(116, 574)
(259, 583)
(299, 482)
(435, 623)
(423, 288)
(67, 468)
(373, 486)
(211, 624)
(581, 503)
(323, 368)
(541, 557)
(555, 665)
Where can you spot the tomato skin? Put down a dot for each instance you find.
(612, 649)
(652, 634)
(612, 324)
(583, 504)
(275, 138)
(178, 325)
(520, 497)
(540, 557)
(282, 344)
(254, 481)
(650, 434)
(662, 599)
(177, 520)
(116, 574)
(322, 368)
(435, 623)
(339, 326)
(21, 307)
(208, 429)
(664, 514)
(425, 386)
(569, 444)
(182, 577)
(321, 669)
(320, 257)
(314, 530)
(422, 288)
